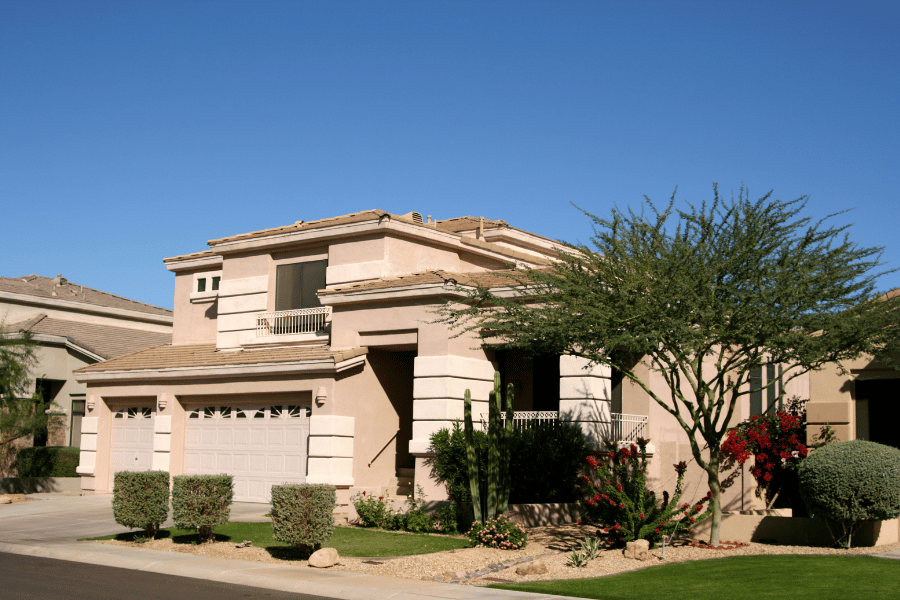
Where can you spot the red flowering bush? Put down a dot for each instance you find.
(777, 444)
(615, 496)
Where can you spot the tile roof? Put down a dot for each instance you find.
(488, 279)
(453, 226)
(357, 217)
(206, 355)
(201, 254)
(104, 340)
(60, 289)
(468, 224)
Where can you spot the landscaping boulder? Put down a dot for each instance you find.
(638, 549)
(324, 558)
(536, 567)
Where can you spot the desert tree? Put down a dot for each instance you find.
(701, 296)
(22, 410)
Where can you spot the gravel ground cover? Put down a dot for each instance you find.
(483, 566)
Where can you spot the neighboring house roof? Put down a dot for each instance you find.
(58, 288)
(487, 279)
(105, 341)
(206, 355)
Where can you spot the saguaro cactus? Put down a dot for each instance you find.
(472, 457)
(496, 499)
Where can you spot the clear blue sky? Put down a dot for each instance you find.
(131, 131)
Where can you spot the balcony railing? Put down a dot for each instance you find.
(288, 322)
(621, 428)
(628, 428)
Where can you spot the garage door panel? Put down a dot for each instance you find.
(241, 463)
(242, 436)
(274, 464)
(131, 441)
(223, 463)
(294, 438)
(276, 436)
(225, 437)
(209, 437)
(258, 446)
(293, 464)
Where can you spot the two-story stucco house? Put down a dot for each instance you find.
(309, 353)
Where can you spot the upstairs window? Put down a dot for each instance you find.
(201, 284)
(296, 285)
(215, 284)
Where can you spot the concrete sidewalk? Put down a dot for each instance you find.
(49, 525)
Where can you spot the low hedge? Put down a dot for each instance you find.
(846, 483)
(141, 499)
(303, 514)
(47, 461)
(201, 502)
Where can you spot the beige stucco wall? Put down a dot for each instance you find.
(833, 399)
(193, 323)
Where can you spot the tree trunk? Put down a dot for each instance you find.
(712, 475)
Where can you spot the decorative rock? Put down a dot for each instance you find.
(460, 574)
(533, 568)
(244, 544)
(4, 500)
(638, 550)
(324, 558)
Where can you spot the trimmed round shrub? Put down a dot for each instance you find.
(846, 483)
(303, 514)
(47, 461)
(141, 499)
(201, 502)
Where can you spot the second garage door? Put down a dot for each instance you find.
(259, 445)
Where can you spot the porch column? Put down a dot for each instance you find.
(585, 397)
(439, 387)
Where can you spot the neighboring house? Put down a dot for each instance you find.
(74, 326)
(309, 353)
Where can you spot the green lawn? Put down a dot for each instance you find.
(349, 541)
(740, 578)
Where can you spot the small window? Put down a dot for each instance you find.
(201, 284)
(215, 283)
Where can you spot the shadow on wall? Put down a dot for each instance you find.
(40, 485)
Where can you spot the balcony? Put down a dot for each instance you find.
(621, 428)
(292, 322)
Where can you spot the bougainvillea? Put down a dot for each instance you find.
(615, 497)
(777, 444)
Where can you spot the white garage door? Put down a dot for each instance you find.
(260, 446)
(131, 445)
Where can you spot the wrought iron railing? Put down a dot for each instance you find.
(620, 428)
(628, 428)
(522, 419)
(286, 322)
